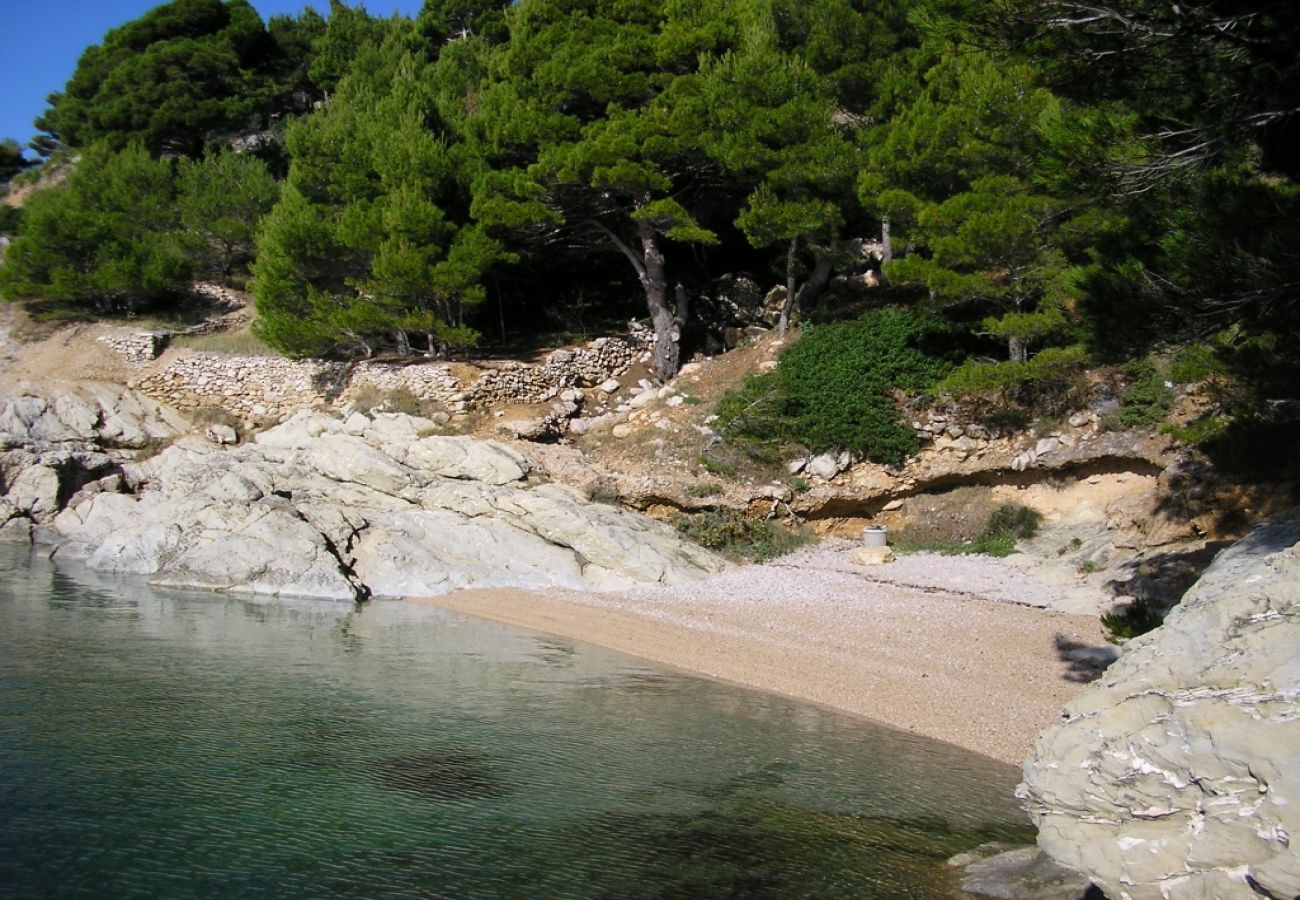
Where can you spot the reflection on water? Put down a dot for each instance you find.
(196, 745)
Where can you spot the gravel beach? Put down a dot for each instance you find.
(955, 648)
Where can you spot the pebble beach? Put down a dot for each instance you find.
(961, 649)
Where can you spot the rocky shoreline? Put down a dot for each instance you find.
(314, 507)
(1172, 777)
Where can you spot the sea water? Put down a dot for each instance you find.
(169, 744)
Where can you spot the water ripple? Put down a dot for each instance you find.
(161, 744)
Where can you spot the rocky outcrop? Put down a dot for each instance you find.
(100, 415)
(1177, 775)
(368, 506)
(54, 444)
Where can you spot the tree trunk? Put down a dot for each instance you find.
(886, 249)
(817, 279)
(668, 334)
(791, 262)
(403, 343)
(651, 271)
(1017, 349)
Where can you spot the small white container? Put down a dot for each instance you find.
(875, 536)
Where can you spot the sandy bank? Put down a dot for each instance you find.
(941, 646)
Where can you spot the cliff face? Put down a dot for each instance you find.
(1178, 774)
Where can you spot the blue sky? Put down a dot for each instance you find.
(40, 41)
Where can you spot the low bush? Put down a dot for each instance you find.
(835, 389)
(371, 398)
(1046, 385)
(1147, 398)
(732, 534)
(1008, 524)
(1139, 617)
(704, 489)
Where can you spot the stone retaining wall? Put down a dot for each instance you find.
(268, 388)
(264, 388)
(138, 349)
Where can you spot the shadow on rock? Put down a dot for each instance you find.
(1084, 662)
(1156, 584)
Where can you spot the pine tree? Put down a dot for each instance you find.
(105, 240)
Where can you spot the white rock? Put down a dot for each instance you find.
(825, 466)
(1177, 773)
(1046, 445)
(221, 434)
(871, 556)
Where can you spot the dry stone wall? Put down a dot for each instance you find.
(267, 388)
(137, 349)
(262, 388)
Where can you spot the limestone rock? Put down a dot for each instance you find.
(1022, 873)
(221, 434)
(101, 415)
(323, 508)
(825, 466)
(1177, 774)
(871, 556)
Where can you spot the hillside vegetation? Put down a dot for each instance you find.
(1043, 186)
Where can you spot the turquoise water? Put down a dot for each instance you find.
(167, 744)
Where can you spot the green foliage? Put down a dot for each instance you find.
(1008, 524)
(221, 198)
(1195, 363)
(11, 219)
(837, 382)
(105, 240)
(371, 246)
(1047, 383)
(833, 390)
(704, 489)
(167, 80)
(1137, 618)
(1147, 398)
(12, 160)
(736, 536)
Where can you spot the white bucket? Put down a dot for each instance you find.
(875, 536)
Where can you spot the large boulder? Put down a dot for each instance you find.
(323, 508)
(99, 414)
(1177, 775)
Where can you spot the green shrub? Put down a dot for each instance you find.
(1008, 524)
(1139, 617)
(1147, 399)
(704, 489)
(1049, 383)
(1194, 364)
(734, 535)
(834, 389)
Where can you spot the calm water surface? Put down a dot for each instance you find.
(168, 744)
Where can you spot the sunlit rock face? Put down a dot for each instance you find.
(363, 507)
(1177, 775)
